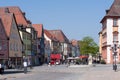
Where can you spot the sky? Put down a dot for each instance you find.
(76, 18)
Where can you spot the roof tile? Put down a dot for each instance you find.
(39, 29)
(7, 22)
(59, 35)
(114, 9)
(19, 15)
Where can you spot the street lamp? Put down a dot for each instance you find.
(114, 49)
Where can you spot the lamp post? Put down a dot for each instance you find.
(114, 49)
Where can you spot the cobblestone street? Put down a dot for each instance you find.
(62, 72)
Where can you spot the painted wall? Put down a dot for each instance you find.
(3, 43)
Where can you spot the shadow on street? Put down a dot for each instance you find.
(12, 71)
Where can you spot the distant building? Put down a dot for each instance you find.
(52, 45)
(40, 43)
(75, 48)
(64, 42)
(28, 40)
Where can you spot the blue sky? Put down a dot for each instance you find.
(76, 18)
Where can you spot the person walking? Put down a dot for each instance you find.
(30, 64)
(1, 68)
(25, 66)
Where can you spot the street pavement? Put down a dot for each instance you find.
(63, 72)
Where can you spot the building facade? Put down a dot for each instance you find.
(64, 43)
(75, 48)
(40, 43)
(15, 43)
(4, 49)
(110, 33)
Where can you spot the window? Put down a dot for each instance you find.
(115, 36)
(104, 35)
(28, 37)
(115, 22)
(104, 25)
(28, 47)
(6, 10)
(11, 46)
(24, 36)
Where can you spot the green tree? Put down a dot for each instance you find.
(88, 46)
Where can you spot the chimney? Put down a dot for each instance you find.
(7, 10)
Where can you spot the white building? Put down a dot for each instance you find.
(110, 32)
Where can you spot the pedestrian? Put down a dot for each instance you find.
(29, 64)
(25, 66)
(1, 68)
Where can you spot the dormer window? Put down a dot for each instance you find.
(6, 10)
(104, 25)
(115, 23)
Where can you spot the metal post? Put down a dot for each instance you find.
(114, 57)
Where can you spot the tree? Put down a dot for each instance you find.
(88, 46)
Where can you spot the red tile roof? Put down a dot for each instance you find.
(74, 42)
(19, 15)
(7, 22)
(48, 34)
(3, 36)
(39, 29)
(59, 35)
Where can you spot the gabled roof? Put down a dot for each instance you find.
(3, 35)
(49, 35)
(114, 10)
(59, 35)
(74, 42)
(7, 22)
(39, 29)
(19, 15)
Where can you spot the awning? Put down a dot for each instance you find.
(83, 56)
